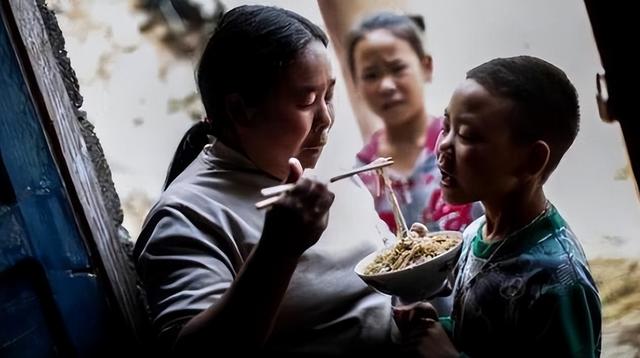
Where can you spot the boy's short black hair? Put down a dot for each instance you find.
(545, 102)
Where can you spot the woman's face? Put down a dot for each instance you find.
(295, 118)
(390, 76)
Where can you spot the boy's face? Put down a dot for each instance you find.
(476, 155)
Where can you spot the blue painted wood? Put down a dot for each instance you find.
(51, 303)
(23, 306)
(14, 245)
(79, 159)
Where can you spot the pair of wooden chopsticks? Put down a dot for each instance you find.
(274, 191)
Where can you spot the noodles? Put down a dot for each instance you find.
(411, 250)
(401, 225)
(414, 246)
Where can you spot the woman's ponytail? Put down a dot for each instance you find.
(190, 146)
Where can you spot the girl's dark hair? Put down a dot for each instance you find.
(248, 52)
(410, 28)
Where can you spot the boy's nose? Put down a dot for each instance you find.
(443, 143)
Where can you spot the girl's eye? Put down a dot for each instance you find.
(398, 68)
(370, 76)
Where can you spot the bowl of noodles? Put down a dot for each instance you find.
(416, 267)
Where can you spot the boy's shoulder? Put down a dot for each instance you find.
(549, 248)
(554, 237)
(557, 252)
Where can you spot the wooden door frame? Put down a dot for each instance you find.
(32, 28)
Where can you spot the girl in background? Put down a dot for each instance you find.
(389, 67)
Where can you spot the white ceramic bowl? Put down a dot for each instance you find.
(417, 282)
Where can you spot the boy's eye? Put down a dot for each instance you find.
(467, 135)
(445, 126)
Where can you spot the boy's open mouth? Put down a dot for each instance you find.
(447, 180)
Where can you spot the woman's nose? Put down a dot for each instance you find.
(324, 117)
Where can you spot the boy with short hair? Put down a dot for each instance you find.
(523, 286)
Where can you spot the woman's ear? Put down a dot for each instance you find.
(426, 62)
(538, 159)
(236, 110)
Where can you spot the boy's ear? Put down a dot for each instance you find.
(538, 159)
(426, 63)
(237, 111)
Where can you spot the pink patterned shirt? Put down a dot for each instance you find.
(419, 194)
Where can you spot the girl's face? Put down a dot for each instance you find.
(390, 76)
(295, 118)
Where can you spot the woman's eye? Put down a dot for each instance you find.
(309, 99)
(329, 97)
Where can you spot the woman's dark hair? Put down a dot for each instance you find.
(248, 52)
(545, 102)
(410, 28)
